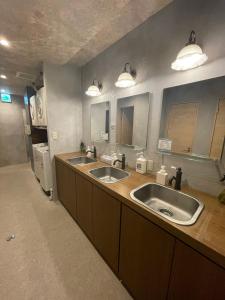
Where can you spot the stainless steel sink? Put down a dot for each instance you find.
(109, 174)
(81, 160)
(175, 206)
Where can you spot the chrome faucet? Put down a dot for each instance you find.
(122, 161)
(220, 170)
(177, 179)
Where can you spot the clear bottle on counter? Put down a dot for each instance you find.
(161, 176)
(141, 163)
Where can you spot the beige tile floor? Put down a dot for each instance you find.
(50, 258)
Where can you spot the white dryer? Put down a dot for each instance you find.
(44, 168)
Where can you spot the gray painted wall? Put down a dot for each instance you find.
(12, 135)
(150, 49)
(64, 108)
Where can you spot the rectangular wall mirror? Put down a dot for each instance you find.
(193, 119)
(132, 120)
(100, 121)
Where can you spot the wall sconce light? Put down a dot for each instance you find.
(94, 89)
(127, 77)
(191, 56)
(4, 42)
(3, 76)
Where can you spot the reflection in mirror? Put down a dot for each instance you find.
(193, 119)
(100, 121)
(222, 159)
(132, 120)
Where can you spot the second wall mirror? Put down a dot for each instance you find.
(132, 121)
(100, 122)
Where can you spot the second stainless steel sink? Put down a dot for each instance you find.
(109, 174)
(175, 206)
(81, 160)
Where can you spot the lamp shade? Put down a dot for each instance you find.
(93, 91)
(191, 56)
(125, 80)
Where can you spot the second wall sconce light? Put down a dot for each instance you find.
(94, 89)
(127, 77)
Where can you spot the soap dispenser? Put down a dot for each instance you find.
(141, 163)
(93, 151)
(161, 176)
(88, 151)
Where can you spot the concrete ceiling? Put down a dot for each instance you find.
(63, 31)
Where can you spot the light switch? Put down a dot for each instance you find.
(27, 129)
(55, 135)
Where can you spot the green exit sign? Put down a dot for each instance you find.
(6, 98)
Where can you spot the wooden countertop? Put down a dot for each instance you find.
(207, 235)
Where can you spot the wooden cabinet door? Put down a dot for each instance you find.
(194, 277)
(106, 226)
(145, 256)
(66, 187)
(84, 205)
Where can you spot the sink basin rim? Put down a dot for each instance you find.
(110, 167)
(194, 217)
(93, 160)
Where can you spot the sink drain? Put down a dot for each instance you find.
(10, 237)
(166, 212)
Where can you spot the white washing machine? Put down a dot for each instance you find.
(35, 147)
(44, 168)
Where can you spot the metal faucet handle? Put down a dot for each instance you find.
(222, 179)
(176, 168)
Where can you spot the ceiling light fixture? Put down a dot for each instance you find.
(3, 76)
(191, 56)
(4, 43)
(94, 89)
(127, 77)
